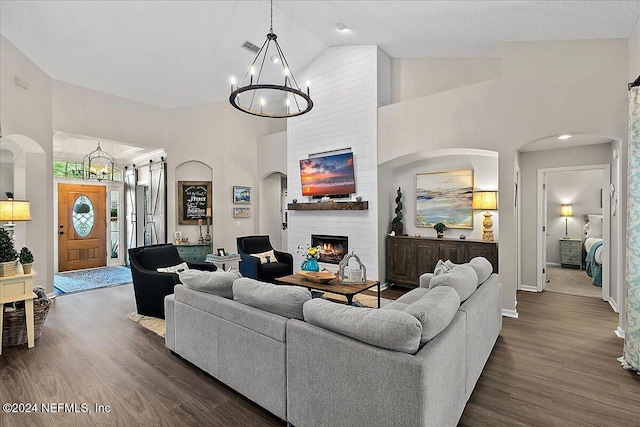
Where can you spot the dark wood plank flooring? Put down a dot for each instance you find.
(556, 365)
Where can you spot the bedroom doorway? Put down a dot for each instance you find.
(573, 213)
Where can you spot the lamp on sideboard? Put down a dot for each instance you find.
(486, 200)
(14, 210)
(566, 211)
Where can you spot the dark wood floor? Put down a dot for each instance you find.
(555, 365)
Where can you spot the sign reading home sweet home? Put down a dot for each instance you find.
(194, 201)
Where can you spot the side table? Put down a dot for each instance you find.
(18, 287)
(224, 262)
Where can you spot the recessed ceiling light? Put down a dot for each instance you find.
(567, 136)
(340, 26)
(275, 59)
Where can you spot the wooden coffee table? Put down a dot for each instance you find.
(333, 286)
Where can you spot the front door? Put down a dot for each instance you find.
(82, 227)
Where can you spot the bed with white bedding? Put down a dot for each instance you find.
(593, 247)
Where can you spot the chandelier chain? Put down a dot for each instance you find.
(271, 28)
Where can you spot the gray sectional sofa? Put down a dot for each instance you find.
(312, 362)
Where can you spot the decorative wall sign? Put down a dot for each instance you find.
(241, 195)
(445, 197)
(194, 201)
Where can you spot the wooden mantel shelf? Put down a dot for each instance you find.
(329, 206)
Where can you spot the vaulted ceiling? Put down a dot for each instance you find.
(172, 54)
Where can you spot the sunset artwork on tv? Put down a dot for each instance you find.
(328, 176)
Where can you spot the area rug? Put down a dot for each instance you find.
(155, 325)
(82, 280)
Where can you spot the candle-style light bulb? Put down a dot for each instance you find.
(232, 80)
(252, 70)
(262, 102)
(308, 86)
(287, 103)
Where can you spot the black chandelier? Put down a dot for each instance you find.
(98, 165)
(270, 100)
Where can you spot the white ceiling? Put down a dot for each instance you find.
(179, 53)
(553, 143)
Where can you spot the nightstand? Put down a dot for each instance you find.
(570, 252)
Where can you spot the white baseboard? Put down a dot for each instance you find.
(619, 332)
(528, 288)
(555, 264)
(384, 286)
(509, 313)
(614, 305)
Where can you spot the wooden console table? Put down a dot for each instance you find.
(18, 287)
(409, 257)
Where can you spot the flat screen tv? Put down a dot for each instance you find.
(331, 176)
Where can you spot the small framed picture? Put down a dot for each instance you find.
(242, 212)
(221, 252)
(241, 195)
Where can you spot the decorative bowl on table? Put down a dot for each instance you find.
(317, 276)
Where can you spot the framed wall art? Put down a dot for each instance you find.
(242, 212)
(241, 195)
(445, 197)
(194, 201)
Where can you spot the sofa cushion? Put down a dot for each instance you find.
(462, 278)
(283, 300)
(435, 310)
(390, 329)
(266, 257)
(174, 268)
(395, 305)
(413, 295)
(482, 267)
(213, 282)
(275, 269)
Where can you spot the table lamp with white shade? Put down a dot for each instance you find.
(14, 210)
(566, 211)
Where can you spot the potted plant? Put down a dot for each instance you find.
(440, 229)
(396, 224)
(26, 259)
(8, 254)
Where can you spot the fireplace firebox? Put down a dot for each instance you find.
(332, 248)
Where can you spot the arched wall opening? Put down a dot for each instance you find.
(401, 172)
(32, 181)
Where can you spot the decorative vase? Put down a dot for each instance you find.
(311, 265)
(7, 268)
(440, 235)
(27, 268)
(398, 228)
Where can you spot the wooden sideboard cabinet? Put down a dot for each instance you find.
(194, 252)
(410, 257)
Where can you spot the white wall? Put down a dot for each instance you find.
(224, 139)
(545, 88)
(81, 111)
(26, 125)
(581, 189)
(346, 93)
(6, 173)
(417, 77)
(530, 162)
(634, 53)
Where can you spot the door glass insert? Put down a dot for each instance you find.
(83, 216)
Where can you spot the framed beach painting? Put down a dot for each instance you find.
(242, 212)
(241, 195)
(445, 197)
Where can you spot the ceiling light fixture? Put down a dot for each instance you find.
(567, 136)
(269, 99)
(98, 165)
(340, 26)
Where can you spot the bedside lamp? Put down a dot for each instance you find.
(14, 210)
(486, 200)
(566, 211)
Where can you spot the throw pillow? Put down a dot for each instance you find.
(435, 311)
(462, 278)
(595, 226)
(266, 257)
(390, 329)
(482, 267)
(174, 269)
(282, 300)
(441, 268)
(213, 282)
